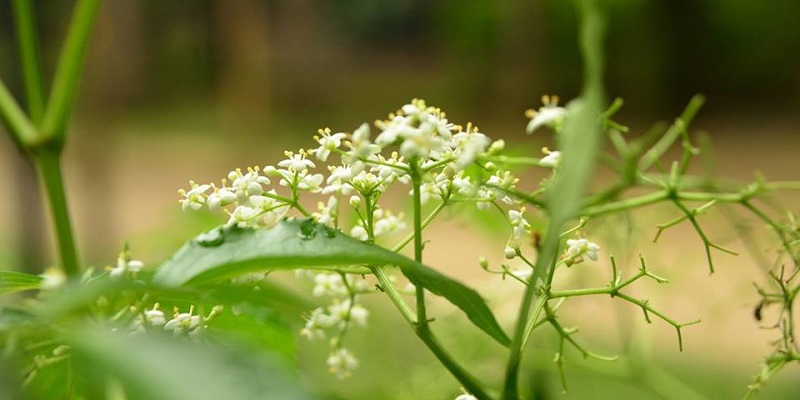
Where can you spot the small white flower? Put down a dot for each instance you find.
(244, 215)
(468, 145)
(124, 265)
(315, 325)
(195, 198)
(549, 114)
(498, 183)
(551, 159)
(221, 198)
(391, 169)
(523, 274)
(519, 225)
(183, 323)
(385, 223)
(152, 317)
(327, 211)
(339, 312)
(359, 314)
(329, 284)
(296, 162)
(360, 147)
(249, 184)
(341, 363)
(577, 248)
(463, 185)
(366, 182)
(52, 278)
(466, 396)
(359, 232)
(327, 143)
(135, 265)
(421, 144)
(309, 182)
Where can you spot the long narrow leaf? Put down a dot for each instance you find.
(12, 281)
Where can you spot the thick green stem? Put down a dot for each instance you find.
(68, 72)
(27, 39)
(48, 164)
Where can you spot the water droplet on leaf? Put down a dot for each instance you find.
(211, 238)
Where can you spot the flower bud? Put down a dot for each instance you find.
(497, 146)
(355, 201)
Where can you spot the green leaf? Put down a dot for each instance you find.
(157, 366)
(12, 281)
(460, 295)
(13, 318)
(292, 244)
(227, 252)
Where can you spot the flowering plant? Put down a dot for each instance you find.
(111, 323)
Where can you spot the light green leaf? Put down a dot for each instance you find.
(12, 281)
(161, 367)
(292, 244)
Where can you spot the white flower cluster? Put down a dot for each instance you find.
(181, 324)
(416, 146)
(338, 317)
(125, 264)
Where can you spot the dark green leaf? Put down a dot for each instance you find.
(12, 281)
(227, 252)
(460, 295)
(292, 244)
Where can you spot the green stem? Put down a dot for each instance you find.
(48, 164)
(29, 54)
(424, 333)
(533, 320)
(14, 119)
(406, 240)
(397, 299)
(626, 204)
(416, 180)
(68, 71)
(672, 134)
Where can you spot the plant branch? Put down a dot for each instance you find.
(68, 72)
(28, 42)
(48, 163)
(21, 129)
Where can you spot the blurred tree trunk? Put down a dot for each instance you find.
(242, 47)
(28, 230)
(684, 42)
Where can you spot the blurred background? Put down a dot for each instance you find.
(183, 90)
